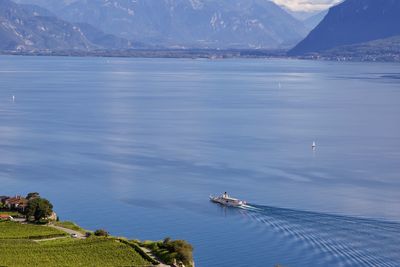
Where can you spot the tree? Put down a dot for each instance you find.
(179, 250)
(32, 195)
(38, 208)
(184, 251)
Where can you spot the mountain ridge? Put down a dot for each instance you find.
(188, 23)
(29, 27)
(352, 22)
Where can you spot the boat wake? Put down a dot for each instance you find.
(332, 240)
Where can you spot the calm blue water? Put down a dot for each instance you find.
(137, 145)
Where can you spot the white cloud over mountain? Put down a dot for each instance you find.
(307, 5)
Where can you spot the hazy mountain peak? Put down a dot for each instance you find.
(306, 6)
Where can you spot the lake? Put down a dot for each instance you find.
(136, 146)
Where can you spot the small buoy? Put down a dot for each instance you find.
(13, 98)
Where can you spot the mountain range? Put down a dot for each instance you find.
(350, 29)
(353, 22)
(29, 27)
(186, 23)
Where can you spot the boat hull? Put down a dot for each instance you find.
(227, 202)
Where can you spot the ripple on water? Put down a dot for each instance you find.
(332, 240)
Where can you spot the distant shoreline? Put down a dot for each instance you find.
(210, 54)
(158, 53)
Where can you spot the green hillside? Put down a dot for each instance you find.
(20, 245)
(12, 230)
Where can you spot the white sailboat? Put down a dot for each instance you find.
(314, 145)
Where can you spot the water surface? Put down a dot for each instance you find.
(137, 145)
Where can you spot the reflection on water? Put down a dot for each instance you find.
(137, 145)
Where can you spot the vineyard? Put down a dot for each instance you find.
(12, 230)
(20, 245)
(69, 252)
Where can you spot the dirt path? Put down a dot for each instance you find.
(78, 234)
(148, 252)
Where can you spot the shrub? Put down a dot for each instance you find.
(101, 232)
(169, 251)
(153, 246)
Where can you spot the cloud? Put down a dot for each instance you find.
(307, 5)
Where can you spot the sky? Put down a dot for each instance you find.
(307, 5)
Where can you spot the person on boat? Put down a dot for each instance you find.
(225, 195)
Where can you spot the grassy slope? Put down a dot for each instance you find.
(12, 230)
(16, 249)
(69, 252)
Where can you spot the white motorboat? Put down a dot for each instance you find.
(226, 200)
